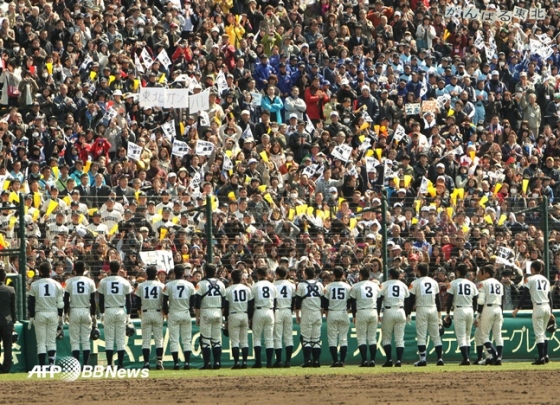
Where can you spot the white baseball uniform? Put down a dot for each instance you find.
(264, 294)
(114, 290)
(491, 320)
(463, 292)
(394, 293)
(337, 293)
(179, 320)
(211, 292)
(150, 293)
(49, 298)
(365, 293)
(425, 290)
(283, 322)
(80, 289)
(539, 288)
(310, 291)
(238, 297)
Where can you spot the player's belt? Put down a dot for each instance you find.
(461, 306)
(394, 307)
(146, 310)
(237, 312)
(364, 309)
(263, 308)
(490, 305)
(79, 307)
(542, 303)
(113, 307)
(337, 310)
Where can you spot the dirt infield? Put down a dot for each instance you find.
(480, 387)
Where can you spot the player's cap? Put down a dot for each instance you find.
(440, 165)
(396, 247)
(96, 214)
(370, 236)
(144, 229)
(151, 202)
(284, 259)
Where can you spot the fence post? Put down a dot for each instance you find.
(384, 208)
(546, 234)
(209, 245)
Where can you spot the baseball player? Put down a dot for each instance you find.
(237, 311)
(149, 303)
(463, 297)
(393, 296)
(264, 294)
(336, 305)
(490, 315)
(115, 303)
(283, 323)
(538, 287)
(365, 314)
(424, 293)
(178, 298)
(209, 304)
(46, 304)
(79, 304)
(309, 316)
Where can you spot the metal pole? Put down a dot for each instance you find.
(546, 232)
(22, 259)
(209, 233)
(384, 233)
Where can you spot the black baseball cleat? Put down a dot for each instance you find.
(372, 363)
(287, 364)
(335, 364)
(388, 363)
(146, 366)
(243, 365)
(498, 362)
(420, 363)
(465, 363)
(546, 359)
(316, 364)
(538, 362)
(340, 364)
(217, 366)
(307, 364)
(187, 366)
(159, 365)
(269, 366)
(278, 364)
(176, 366)
(364, 364)
(489, 361)
(398, 363)
(257, 365)
(206, 367)
(236, 366)
(440, 362)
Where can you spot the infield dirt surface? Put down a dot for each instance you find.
(487, 386)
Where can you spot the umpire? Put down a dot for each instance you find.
(7, 320)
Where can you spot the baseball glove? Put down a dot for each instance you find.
(447, 324)
(59, 332)
(130, 329)
(551, 326)
(15, 337)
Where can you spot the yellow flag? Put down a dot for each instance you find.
(488, 219)
(379, 153)
(30, 274)
(310, 211)
(291, 214)
(82, 218)
(175, 220)
(365, 125)
(465, 228)
(262, 188)
(3, 244)
(247, 180)
(319, 214)
(461, 193)
(340, 201)
(453, 198)
(229, 153)
(483, 200)
(137, 194)
(49, 67)
(114, 229)
(264, 156)
(358, 209)
(497, 188)
(36, 215)
(14, 197)
(181, 125)
(301, 209)
(6, 185)
(111, 79)
(67, 200)
(362, 138)
(92, 211)
(135, 86)
(472, 154)
(231, 196)
(268, 198)
(160, 211)
(502, 219)
(449, 211)
(162, 78)
(432, 191)
(162, 233)
(417, 204)
(12, 222)
(369, 153)
(87, 166)
(352, 223)
(375, 128)
(55, 171)
(525, 185)
(214, 202)
(414, 220)
(156, 218)
(92, 75)
(407, 180)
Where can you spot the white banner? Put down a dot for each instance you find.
(228, 164)
(86, 62)
(110, 114)
(162, 259)
(412, 109)
(221, 82)
(309, 171)
(164, 58)
(180, 148)
(204, 148)
(256, 99)
(146, 58)
(199, 102)
(134, 151)
(424, 186)
(195, 181)
(162, 97)
(169, 130)
(342, 152)
(371, 164)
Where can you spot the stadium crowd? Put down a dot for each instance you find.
(317, 110)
